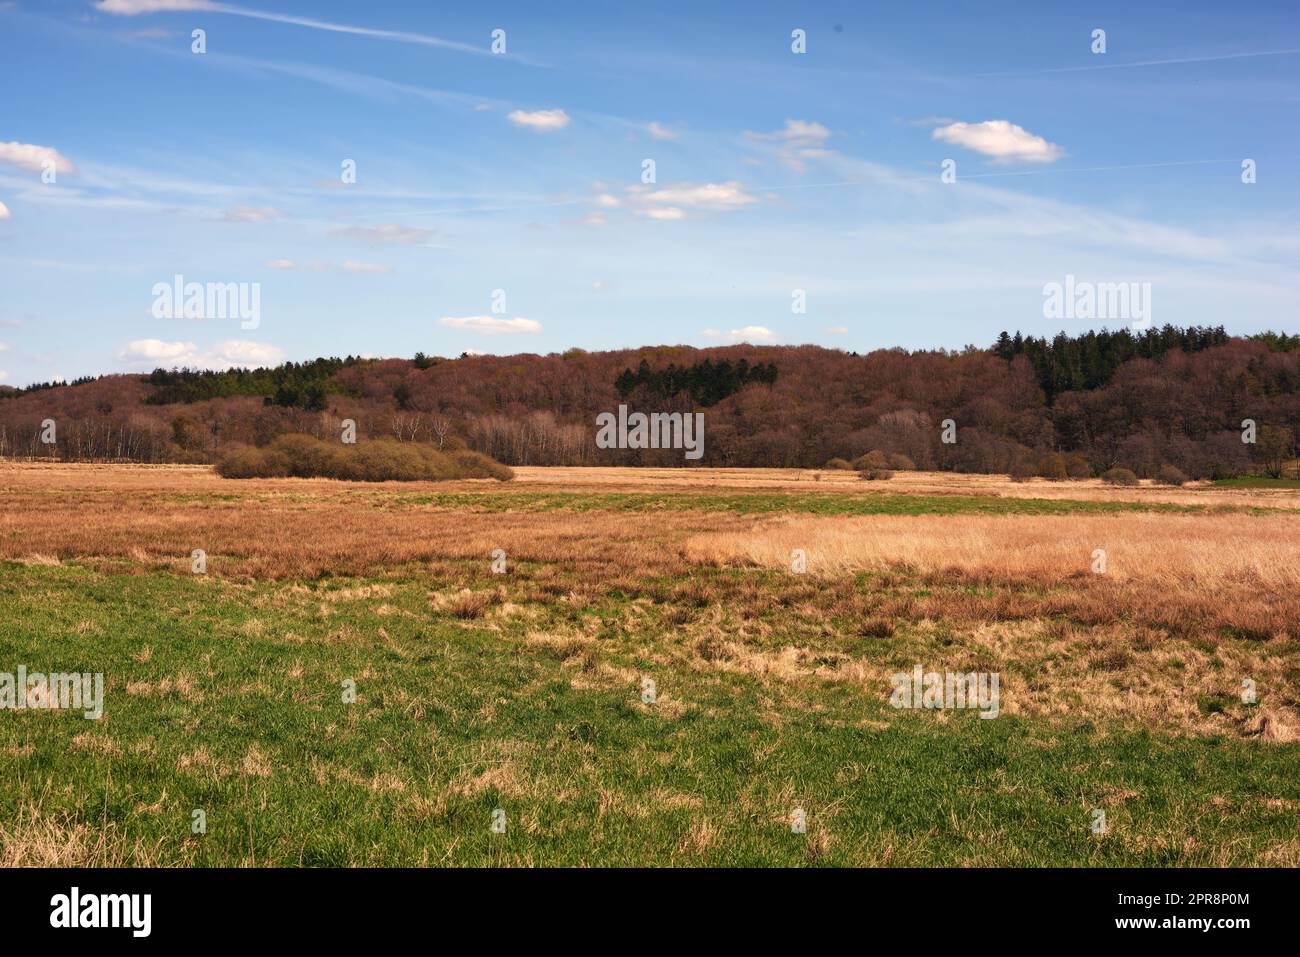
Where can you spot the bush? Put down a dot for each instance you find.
(901, 463)
(381, 460)
(1052, 466)
(1170, 475)
(477, 465)
(839, 464)
(875, 459)
(1023, 471)
(875, 475)
(1076, 466)
(1119, 477)
(244, 461)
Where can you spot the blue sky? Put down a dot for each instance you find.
(775, 171)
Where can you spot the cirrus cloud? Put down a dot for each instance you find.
(1001, 139)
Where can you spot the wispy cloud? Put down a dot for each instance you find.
(389, 234)
(130, 8)
(797, 141)
(254, 214)
(660, 132)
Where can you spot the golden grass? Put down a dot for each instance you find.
(1160, 551)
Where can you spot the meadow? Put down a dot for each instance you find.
(501, 639)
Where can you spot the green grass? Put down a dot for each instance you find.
(458, 717)
(1257, 481)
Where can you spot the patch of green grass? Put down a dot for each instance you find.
(1257, 481)
(228, 697)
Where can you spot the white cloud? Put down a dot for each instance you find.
(253, 214)
(660, 132)
(595, 219)
(389, 234)
(350, 266)
(730, 195)
(797, 141)
(4, 376)
(150, 353)
(608, 201)
(491, 325)
(4, 211)
(280, 264)
(31, 157)
(667, 203)
(541, 121)
(663, 212)
(745, 334)
(1004, 141)
(837, 330)
(796, 131)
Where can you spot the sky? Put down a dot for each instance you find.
(909, 174)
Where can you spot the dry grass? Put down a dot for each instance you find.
(1241, 552)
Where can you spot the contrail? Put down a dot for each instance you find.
(1123, 66)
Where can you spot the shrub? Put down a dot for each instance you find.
(477, 465)
(244, 461)
(1052, 466)
(381, 460)
(901, 463)
(1119, 477)
(839, 464)
(875, 459)
(1023, 471)
(1076, 466)
(875, 475)
(1170, 475)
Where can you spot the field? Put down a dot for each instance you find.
(528, 690)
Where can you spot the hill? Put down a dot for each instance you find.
(1100, 400)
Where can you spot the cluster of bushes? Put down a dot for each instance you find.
(380, 460)
(1056, 467)
(875, 460)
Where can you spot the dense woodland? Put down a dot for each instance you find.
(1165, 397)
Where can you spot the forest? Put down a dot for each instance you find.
(1167, 397)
